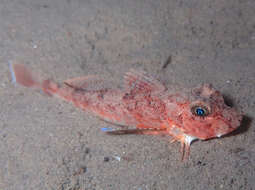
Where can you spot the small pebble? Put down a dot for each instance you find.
(81, 170)
(87, 150)
(106, 159)
(117, 158)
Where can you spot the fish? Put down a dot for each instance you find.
(144, 105)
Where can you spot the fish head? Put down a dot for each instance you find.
(207, 116)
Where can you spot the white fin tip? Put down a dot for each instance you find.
(189, 139)
(12, 72)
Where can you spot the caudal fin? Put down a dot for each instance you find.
(21, 75)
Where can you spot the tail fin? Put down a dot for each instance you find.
(23, 76)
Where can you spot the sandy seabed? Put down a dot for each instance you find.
(48, 144)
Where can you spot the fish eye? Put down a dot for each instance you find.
(200, 110)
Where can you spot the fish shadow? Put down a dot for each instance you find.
(245, 125)
(228, 100)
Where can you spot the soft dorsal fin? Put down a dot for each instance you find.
(82, 83)
(141, 82)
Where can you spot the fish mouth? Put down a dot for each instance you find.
(229, 125)
(236, 120)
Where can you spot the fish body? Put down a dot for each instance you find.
(147, 105)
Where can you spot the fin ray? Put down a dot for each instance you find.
(139, 81)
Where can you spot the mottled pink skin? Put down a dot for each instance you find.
(222, 119)
(146, 104)
(144, 107)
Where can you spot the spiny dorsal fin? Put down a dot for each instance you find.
(141, 82)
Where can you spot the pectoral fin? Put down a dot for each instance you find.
(136, 131)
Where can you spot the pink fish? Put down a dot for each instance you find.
(146, 104)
